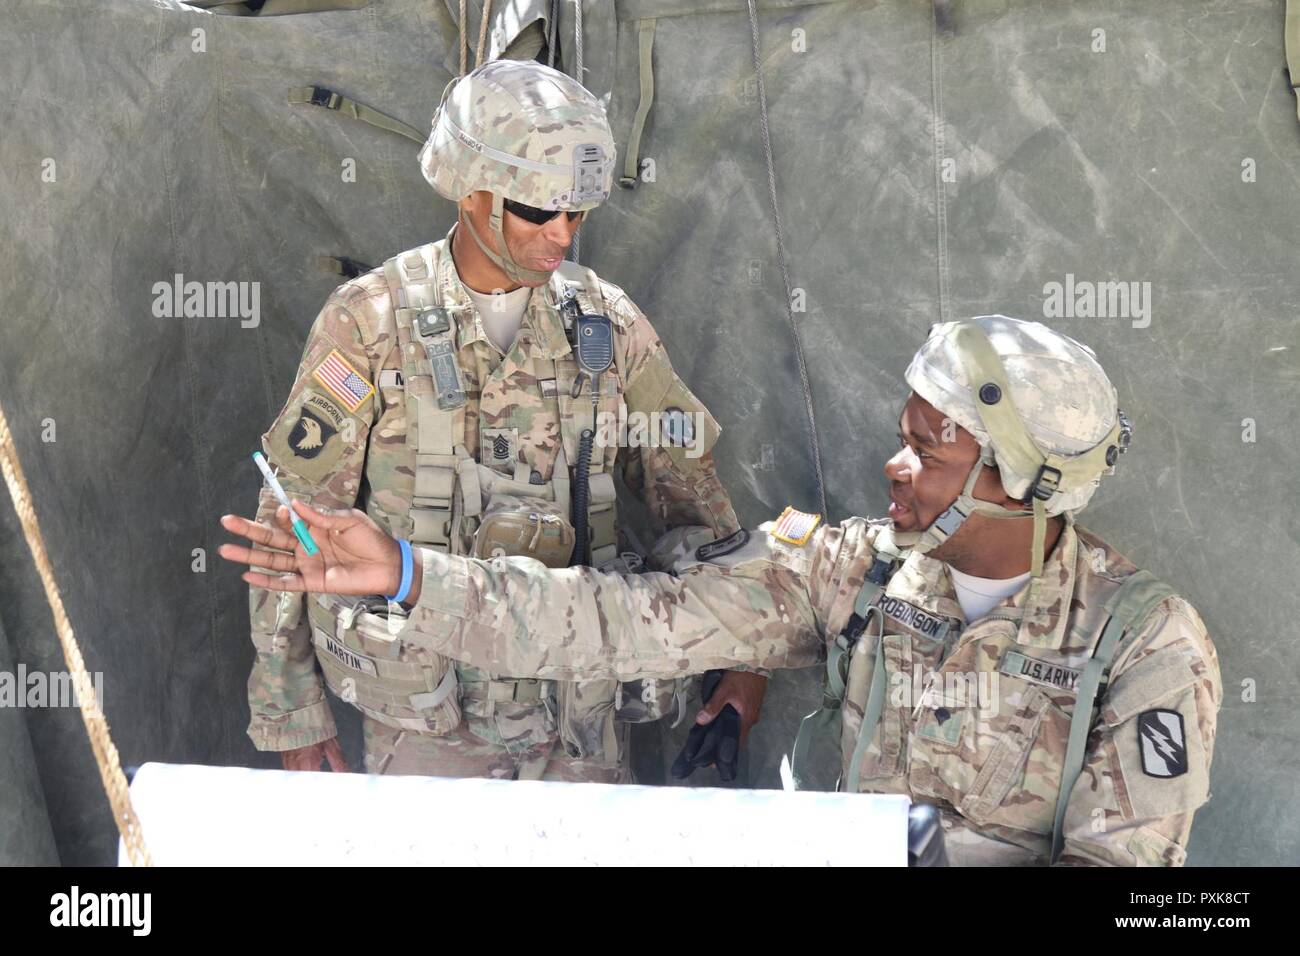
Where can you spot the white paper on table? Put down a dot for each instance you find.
(219, 816)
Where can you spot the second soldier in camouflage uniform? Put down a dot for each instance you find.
(986, 654)
(405, 405)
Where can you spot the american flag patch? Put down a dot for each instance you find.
(794, 527)
(343, 381)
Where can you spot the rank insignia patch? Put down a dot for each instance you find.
(1162, 743)
(343, 381)
(794, 527)
(500, 448)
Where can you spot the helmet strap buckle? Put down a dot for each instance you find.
(320, 96)
(1045, 484)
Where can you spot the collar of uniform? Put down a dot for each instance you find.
(1046, 601)
(543, 318)
(452, 294)
(1042, 606)
(546, 321)
(923, 582)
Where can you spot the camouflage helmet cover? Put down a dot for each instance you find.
(523, 131)
(1059, 391)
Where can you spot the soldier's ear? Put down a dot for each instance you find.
(989, 488)
(475, 205)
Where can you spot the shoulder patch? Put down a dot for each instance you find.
(1162, 743)
(722, 546)
(309, 438)
(794, 527)
(341, 379)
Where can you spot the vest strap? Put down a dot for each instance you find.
(838, 654)
(439, 431)
(1128, 607)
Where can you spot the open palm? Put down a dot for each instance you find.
(354, 555)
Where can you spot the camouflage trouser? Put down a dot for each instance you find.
(504, 747)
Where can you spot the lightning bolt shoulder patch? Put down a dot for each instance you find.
(1162, 743)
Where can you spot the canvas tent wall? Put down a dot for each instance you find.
(929, 162)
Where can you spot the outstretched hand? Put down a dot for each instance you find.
(354, 555)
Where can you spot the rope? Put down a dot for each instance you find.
(814, 445)
(551, 33)
(940, 193)
(482, 33)
(101, 742)
(577, 75)
(464, 46)
(482, 37)
(577, 39)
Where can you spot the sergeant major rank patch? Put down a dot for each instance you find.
(1162, 743)
(794, 527)
(343, 381)
(499, 448)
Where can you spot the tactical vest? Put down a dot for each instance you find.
(460, 506)
(366, 665)
(453, 490)
(855, 692)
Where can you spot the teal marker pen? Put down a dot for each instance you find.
(299, 526)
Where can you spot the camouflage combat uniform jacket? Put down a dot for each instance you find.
(991, 761)
(342, 440)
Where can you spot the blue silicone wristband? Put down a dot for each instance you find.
(407, 567)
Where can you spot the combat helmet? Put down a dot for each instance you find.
(1039, 405)
(523, 132)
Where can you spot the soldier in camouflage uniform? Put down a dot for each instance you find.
(405, 404)
(987, 712)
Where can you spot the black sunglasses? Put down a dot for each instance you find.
(537, 216)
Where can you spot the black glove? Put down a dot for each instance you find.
(716, 743)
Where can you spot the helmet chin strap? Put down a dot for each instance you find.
(504, 262)
(950, 521)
